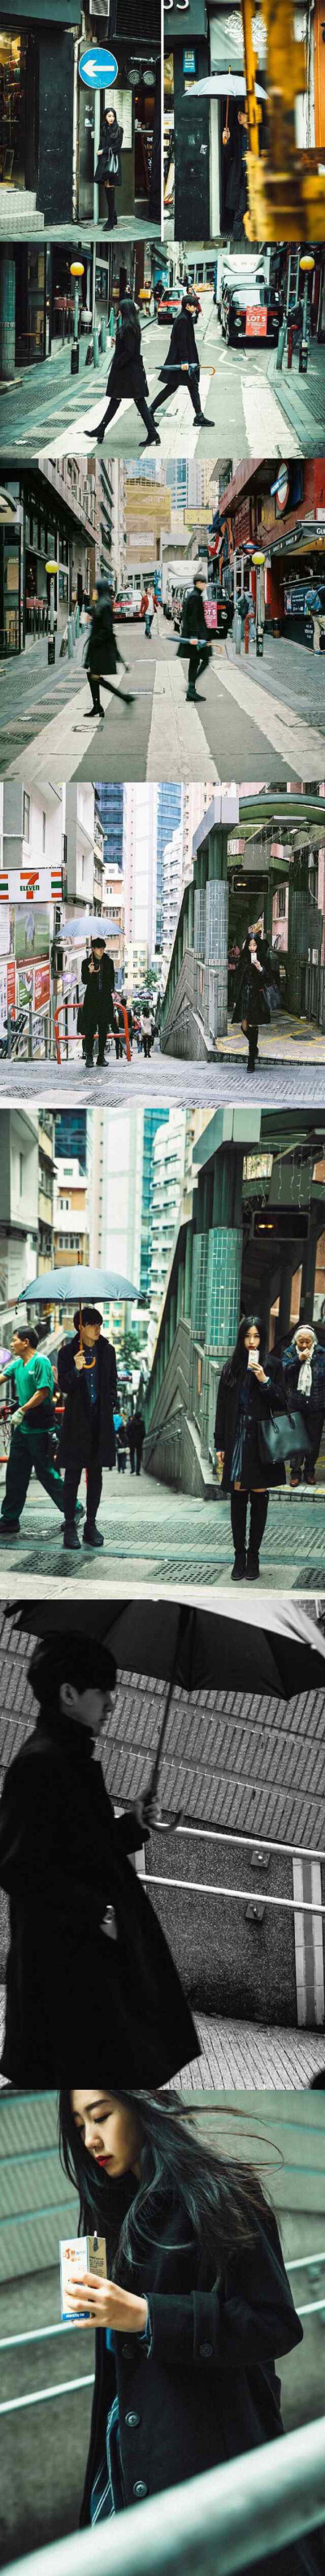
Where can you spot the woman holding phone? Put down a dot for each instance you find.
(249, 1387)
(251, 1004)
(195, 2308)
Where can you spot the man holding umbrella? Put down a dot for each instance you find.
(87, 1378)
(96, 1010)
(31, 1423)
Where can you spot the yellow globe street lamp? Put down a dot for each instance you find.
(51, 568)
(76, 271)
(258, 560)
(307, 264)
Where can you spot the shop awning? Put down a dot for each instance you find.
(298, 541)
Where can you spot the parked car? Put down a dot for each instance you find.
(235, 268)
(250, 313)
(126, 605)
(170, 304)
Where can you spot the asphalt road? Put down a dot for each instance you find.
(47, 728)
(240, 393)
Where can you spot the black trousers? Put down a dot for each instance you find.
(135, 1460)
(94, 1487)
(197, 661)
(192, 384)
(114, 405)
(110, 201)
(102, 1026)
(29, 1449)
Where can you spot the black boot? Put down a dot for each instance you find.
(92, 1537)
(70, 1535)
(238, 1523)
(259, 1512)
(252, 1049)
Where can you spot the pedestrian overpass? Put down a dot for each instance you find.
(246, 850)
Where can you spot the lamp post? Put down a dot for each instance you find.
(306, 264)
(76, 271)
(51, 569)
(259, 561)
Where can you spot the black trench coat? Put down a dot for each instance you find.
(208, 2390)
(127, 377)
(251, 989)
(97, 997)
(182, 352)
(262, 1397)
(101, 650)
(74, 1995)
(193, 623)
(111, 139)
(76, 1436)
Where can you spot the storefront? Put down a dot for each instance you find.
(187, 59)
(11, 575)
(37, 101)
(136, 100)
(39, 529)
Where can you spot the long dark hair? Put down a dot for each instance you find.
(239, 1357)
(220, 2198)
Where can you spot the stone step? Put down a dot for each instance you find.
(18, 210)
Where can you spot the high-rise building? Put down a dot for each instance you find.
(152, 1119)
(196, 798)
(109, 801)
(185, 482)
(171, 888)
(169, 814)
(71, 1136)
(139, 865)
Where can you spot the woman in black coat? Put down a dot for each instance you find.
(183, 361)
(194, 2312)
(109, 164)
(102, 652)
(127, 381)
(194, 635)
(247, 1392)
(87, 1378)
(251, 1004)
(89, 1969)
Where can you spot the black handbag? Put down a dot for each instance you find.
(281, 1436)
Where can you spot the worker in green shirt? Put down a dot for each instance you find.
(31, 1423)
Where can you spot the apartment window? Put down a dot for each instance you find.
(281, 903)
(26, 816)
(43, 831)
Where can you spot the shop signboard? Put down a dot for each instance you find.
(41, 986)
(256, 322)
(7, 991)
(30, 885)
(32, 934)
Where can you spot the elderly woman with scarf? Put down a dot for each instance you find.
(254, 974)
(127, 380)
(249, 1387)
(303, 1363)
(109, 166)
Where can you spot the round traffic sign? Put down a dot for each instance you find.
(98, 68)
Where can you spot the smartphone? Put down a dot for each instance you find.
(253, 1359)
(80, 2254)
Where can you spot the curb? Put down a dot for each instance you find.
(311, 431)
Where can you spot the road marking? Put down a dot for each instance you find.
(177, 746)
(54, 751)
(300, 746)
(267, 432)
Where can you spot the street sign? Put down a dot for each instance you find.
(97, 68)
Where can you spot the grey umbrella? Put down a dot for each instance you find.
(77, 1283)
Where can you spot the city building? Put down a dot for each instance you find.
(80, 847)
(152, 1120)
(206, 165)
(169, 810)
(247, 849)
(279, 509)
(250, 1235)
(19, 1205)
(71, 1126)
(37, 89)
(113, 907)
(147, 516)
(136, 965)
(139, 869)
(48, 514)
(71, 1231)
(109, 799)
(46, 1171)
(99, 880)
(172, 878)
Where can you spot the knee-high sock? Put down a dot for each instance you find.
(238, 1520)
(259, 1512)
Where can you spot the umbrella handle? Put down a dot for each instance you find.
(153, 1782)
(80, 1327)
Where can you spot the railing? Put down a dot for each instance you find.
(73, 1037)
(172, 1422)
(22, 1027)
(223, 2521)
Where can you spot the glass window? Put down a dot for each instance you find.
(26, 816)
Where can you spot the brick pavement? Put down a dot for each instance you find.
(154, 1534)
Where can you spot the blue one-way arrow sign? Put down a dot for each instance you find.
(97, 68)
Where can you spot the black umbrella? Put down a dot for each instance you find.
(182, 1643)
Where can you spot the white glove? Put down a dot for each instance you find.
(18, 1417)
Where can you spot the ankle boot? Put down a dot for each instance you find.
(258, 1518)
(238, 1524)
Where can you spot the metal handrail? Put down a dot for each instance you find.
(74, 1036)
(246, 1895)
(228, 2518)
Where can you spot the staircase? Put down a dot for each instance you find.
(19, 213)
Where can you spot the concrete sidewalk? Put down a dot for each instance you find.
(247, 2057)
(154, 1533)
(302, 398)
(286, 1040)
